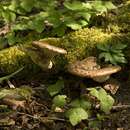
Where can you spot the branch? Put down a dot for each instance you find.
(120, 107)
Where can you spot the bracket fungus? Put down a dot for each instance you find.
(42, 53)
(50, 48)
(91, 69)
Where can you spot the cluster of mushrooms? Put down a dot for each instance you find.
(88, 67)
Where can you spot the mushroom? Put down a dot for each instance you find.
(89, 68)
(42, 53)
(52, 49)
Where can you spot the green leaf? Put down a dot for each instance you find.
(102, 94)
(36, 24)
(14, 5)
(74, 25)
(106, 103)
(118, 46)
(109, 5)
(76, 115)
(27, 4)
(112, 53)
(85, 104)
(103, 55)
(94, 92)
(11, 38)
(83, 22)
(103, 47)
(120, 54)
(75, 5)
(59, 31)
(85, 15)
(55, 88)
(98, 6)
(8, 16)
(108, 57)
(119, 59)
(87, 5)
(81, 103)
(60, 100)
(116, 51)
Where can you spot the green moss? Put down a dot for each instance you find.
(82, 43)
(11, 59)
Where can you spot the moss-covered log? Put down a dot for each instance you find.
(79, 45)
(11, 59)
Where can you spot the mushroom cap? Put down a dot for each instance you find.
(79, 70)
(50, 48)
(88, 63)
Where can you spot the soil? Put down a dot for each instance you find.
(27, 118)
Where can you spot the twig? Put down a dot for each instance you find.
(42, 118)
(118, 107)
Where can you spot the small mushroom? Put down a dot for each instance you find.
(89, 68)
(42, 53)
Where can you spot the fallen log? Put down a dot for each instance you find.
(79, 44)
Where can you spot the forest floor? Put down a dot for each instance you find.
(36, 113)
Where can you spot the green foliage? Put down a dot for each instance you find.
(95, 124)
(55, 88)
(112, 53)
(38, 16)
(106, 101)
(81, 103)
(75, 115)
(59, 100)
(82, 107)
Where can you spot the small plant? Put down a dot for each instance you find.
(112, 53)
(56, 16)
(83, 107)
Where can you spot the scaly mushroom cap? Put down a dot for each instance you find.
(89, 68)
(94, 73)
(50, 48)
